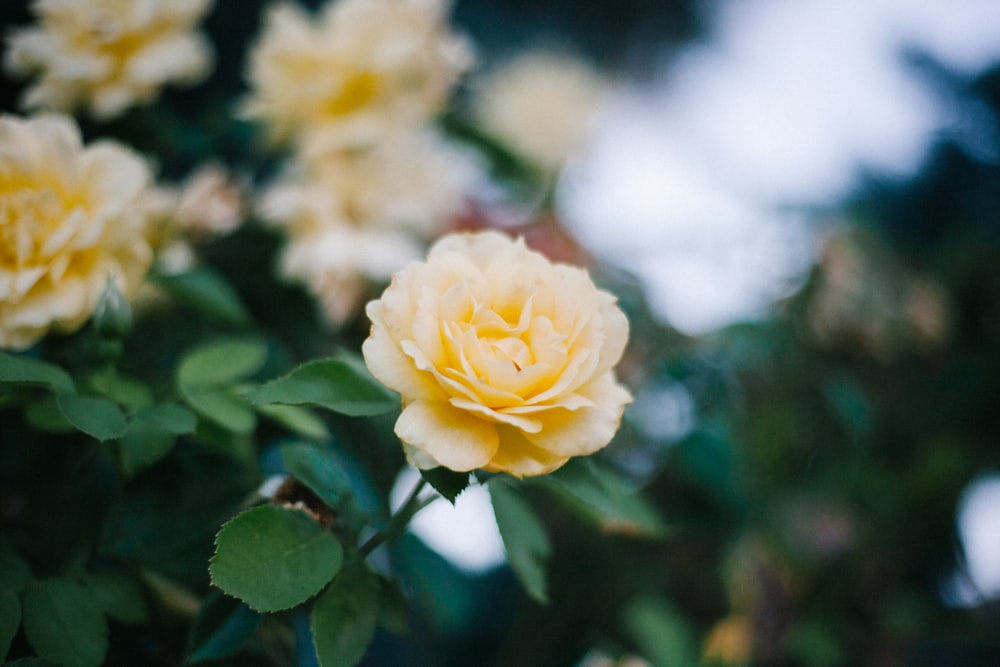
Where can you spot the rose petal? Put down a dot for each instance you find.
(452, 437)
(396, 370)
(517, 456)
(418, 458)
(585, 430)
(497, 416)
(615, 334)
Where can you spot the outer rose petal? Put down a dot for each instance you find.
(584, 431)
(615, 332)
(452, 437)
(517, 456)
(393, 368)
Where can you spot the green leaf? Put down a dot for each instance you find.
(220, 628)
(120, 389)
(524, 539)
(274, 558)
(207, 291)
(16, 370)
(142, 446)
(603, 497)
(14, 574)
(205, 373)
(45, 416)
(341, 384)
(97, 417)
(32, 662)
(298, 420)
(393, 608)
(220, 363)
(10, 621)
(225, 409)
(63, 623)
(119, 596)
(447, 482)
(168, 417)
(319, 472)
(344, 617)
(151, 435)
(660, 632)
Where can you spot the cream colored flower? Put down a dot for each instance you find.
(108, 54)
(415, 182)
(358, 70)
(354, 217)
(71, 219)
(543, 104)
(505, 360)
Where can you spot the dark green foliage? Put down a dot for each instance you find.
(811, 505)
(446, 482)
(524, 539)
(344, 617)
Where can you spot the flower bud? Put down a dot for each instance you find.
(112, 315)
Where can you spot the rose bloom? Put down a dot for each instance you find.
(544, 104)
(108, 54)
(359, 69)
(71, 219)
(505, 360)
(414, 180)
(352, 218)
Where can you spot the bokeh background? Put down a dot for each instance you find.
(798, 204)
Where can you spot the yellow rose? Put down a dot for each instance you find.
(70, 220)
(354, 71)
(108, 54)
(505, 360)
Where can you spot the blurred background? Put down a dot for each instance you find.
(798, 204)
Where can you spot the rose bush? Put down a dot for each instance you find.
(71, 219)
(505, 360)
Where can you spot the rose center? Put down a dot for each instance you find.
(356, 92)
(514, 350)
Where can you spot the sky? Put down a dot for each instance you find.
(717, 169)
(706, 182)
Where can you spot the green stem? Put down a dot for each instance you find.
(398, 521)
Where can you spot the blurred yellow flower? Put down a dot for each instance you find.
(544, 104)
(108, 54)
(505, 360)
(357, 216)
(359, 69)
(412, 181)
(71, 219)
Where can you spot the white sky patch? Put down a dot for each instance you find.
(664, 412)
(979, 529)
(465, 534)
(781, 109)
